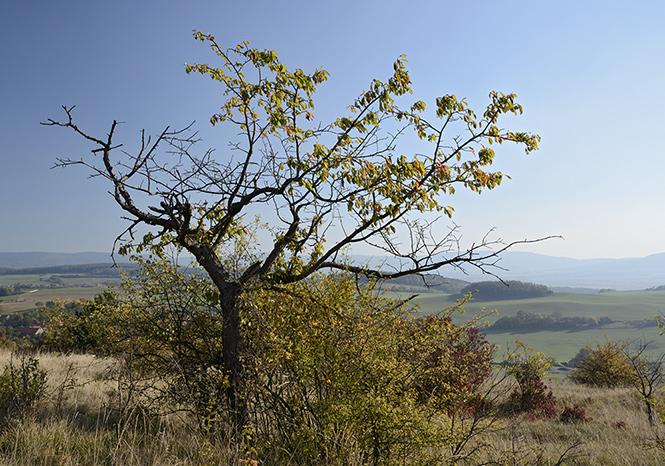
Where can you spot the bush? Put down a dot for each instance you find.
(531, 394)
(605, 366)
(364, 380)
(79, 326)
(453, 361)
(21, 386)
(574, 414)
(335, 372)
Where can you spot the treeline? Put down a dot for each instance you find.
(526, 321)
(496, 290)
(16, 288)
(656, 288)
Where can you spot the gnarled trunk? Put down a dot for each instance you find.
(230, 300)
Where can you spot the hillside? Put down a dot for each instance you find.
(23, 260)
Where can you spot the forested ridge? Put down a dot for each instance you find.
(497, 290)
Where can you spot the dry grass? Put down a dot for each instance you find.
(79, 423)
(617, 434)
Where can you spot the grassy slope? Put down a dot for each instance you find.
(24, 279)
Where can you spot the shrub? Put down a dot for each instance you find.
(529, 369)
(453, 361)
(79, 326)
(21, 386)
(574, 414)
(365, 380)
(533, 397)
(335, 372)
(605, 366)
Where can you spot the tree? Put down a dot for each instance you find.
(648, 378)
(330, 186)
(605, 366)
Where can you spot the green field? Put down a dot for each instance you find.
(23, 279)
(632, 312)
(617, 305)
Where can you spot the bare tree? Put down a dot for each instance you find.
(648, 377)
(328, 187)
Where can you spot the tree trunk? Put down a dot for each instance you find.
(230, 300)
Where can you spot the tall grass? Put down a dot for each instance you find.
(80, 422)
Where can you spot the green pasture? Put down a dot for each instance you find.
(32, 279)
(563, 346)
(621, 306)
(617, 305)
(70, 280)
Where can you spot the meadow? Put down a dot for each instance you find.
(69, 280)
(84, 419)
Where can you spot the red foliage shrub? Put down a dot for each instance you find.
(574, 414)
(454, 362)
(534, 397)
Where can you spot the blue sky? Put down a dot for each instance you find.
(589, 75)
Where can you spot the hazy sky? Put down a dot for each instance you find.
(589, 75)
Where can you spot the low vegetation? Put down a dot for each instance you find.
(608, 364)
(82, 417)
(337, 373)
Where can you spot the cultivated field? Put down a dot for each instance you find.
(31, 300)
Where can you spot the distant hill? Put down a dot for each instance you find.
(555, 272)
(619, 274)
(24, 260)
(93, 270)
(427, 283)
